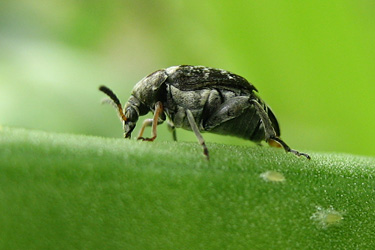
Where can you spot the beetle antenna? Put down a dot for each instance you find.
(114, 100)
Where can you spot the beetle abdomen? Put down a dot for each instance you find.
(215, 110)
(247, 126)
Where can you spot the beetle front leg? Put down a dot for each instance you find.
(153, 122)
(194, 127)
(146, 123)
(270, 133)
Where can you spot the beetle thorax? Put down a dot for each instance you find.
(147, 90)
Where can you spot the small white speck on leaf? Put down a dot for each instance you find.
(272, 176)
(327, 217)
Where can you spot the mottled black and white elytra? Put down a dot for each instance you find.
(200, 99)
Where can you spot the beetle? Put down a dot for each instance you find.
(201, 99)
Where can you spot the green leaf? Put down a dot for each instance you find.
(62, 191)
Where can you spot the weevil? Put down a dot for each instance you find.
(200, 99)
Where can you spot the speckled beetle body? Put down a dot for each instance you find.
(200, 99)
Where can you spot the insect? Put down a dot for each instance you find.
(200, 99)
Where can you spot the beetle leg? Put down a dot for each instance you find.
(146, 123)
(270, 133)
(194, 127)
(153, 122)
(286, 147)
(172, 128)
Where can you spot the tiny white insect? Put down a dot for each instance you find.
(327, 217)
(273, 176)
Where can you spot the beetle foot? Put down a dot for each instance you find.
(300, 154)
(205, 152)
(277, 142)
(146, 139)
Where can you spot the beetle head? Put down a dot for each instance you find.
(129, 115)
(128, 128)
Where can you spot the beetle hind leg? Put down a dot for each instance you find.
(276, 140)
(271, 137)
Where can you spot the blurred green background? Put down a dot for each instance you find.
(313, 62)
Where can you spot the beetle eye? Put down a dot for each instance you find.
(131, 114)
